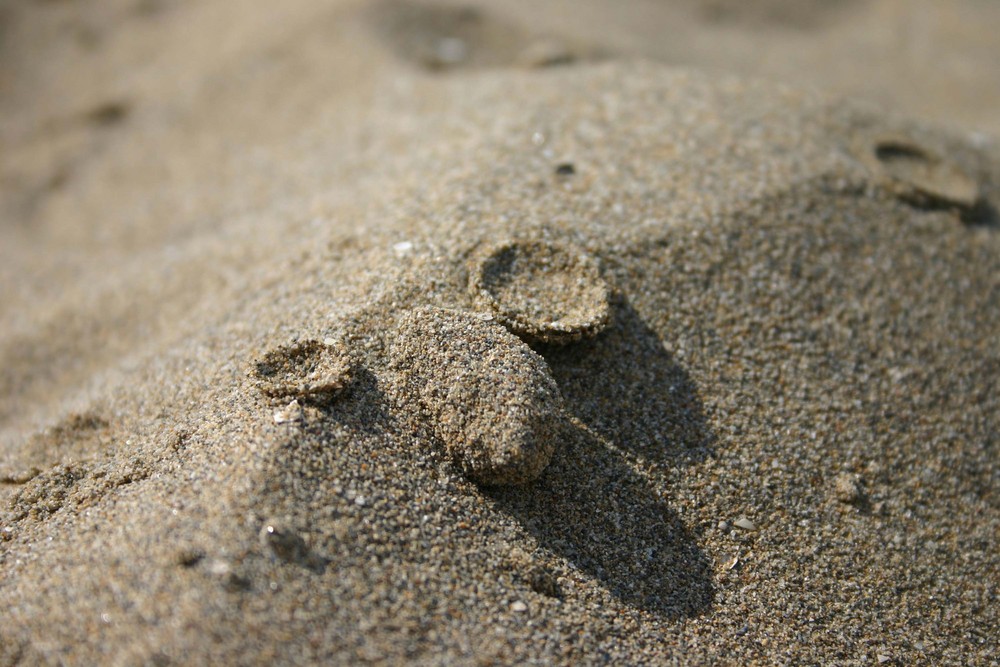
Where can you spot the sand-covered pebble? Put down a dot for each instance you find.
(848, 488)
(489, 399)
(543, 292)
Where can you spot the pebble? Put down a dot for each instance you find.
(450, 51)
(519, 607)
(487, 397)
(219, 567)
(543, 292)
(745, 524)
(847, 488)
(290, 413)
(402, 248)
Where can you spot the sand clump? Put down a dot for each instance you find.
(486, 396)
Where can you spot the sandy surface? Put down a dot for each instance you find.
(291, 297)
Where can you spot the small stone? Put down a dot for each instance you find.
(519, 607)
(219, 568)
(847, 488)
(745, 524)
(290, 413)
(449, 52)
(882, 658)
(402, 248)
(542, 292)
(489, 400)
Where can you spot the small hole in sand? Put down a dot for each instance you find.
(109, 113)
(188, 558)
(891, 151)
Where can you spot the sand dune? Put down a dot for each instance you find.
(328, 339)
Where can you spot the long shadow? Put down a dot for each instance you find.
(592, 509)
(625, 386)
(589, 506)
(983, 214)
(360, 410)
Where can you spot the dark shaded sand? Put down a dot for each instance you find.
(781, 448)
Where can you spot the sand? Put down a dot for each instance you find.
(267, 360)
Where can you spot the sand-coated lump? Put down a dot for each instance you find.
(487, 397)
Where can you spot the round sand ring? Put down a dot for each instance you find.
(543, 292)
(919, 175)
(303, 369)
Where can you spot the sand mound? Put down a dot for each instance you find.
(780, 447)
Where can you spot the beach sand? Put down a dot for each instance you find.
(372, 332)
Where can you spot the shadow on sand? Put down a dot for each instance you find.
(590, 506)
(627, 388)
